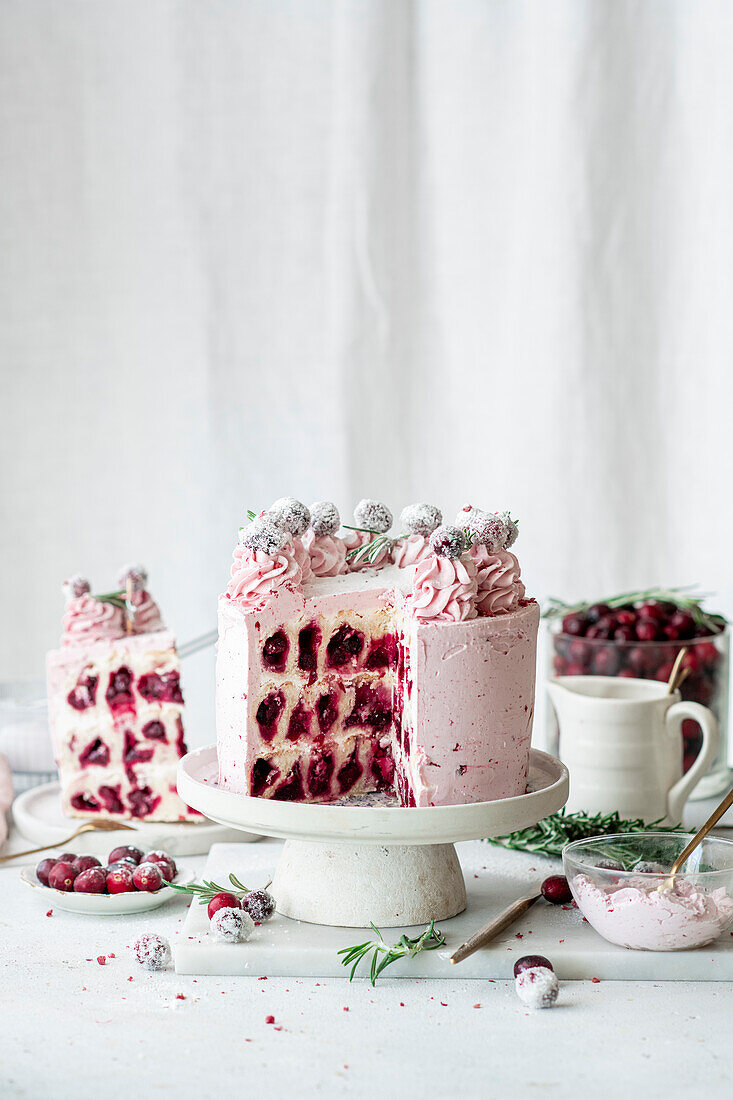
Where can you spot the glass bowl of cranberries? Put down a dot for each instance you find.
(639, 635)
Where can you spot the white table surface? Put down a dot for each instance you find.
(73, 1028)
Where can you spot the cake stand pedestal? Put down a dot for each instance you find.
(352, 863)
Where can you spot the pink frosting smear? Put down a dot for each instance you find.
(147, 614)
(499, 583)
(327, 554)
(87, 620)
(635, 914)
(355, 539)
(410, 551)
(444, 589)
(256, 576)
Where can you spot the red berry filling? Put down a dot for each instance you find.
(275, 652)
(154, 731)
(345, 646)
(264, 774)
(84, 694)
(383, 768)
(291, 788)
(382, 652)
(350, 773)
(268, 714)
(84, 803)
(111, 798)
(119, 693)
(96, 752)
(309, 640)
(135, 755)
(142, 802)
(372, 707)
(326, 712)
(155, 688)
(320, 772)
(300, 723)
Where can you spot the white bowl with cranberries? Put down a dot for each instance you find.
(131, 881)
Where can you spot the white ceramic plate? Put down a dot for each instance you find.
(356, 823)
(103, 905)
(37, 815)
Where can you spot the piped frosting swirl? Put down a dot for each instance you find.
(499, 581)
(257, 576)
(327, 554)
(444, 589)
(87, 620)
(409, 551)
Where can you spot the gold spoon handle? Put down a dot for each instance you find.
(44, 847)
(703, 832)
(493, 928)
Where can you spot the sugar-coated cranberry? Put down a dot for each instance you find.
(528, 962)
(555, 889)
(231, 925)
(148, 877)
(222, 901)
(259, 904)
(574, 624)
(125, 851)
(44, 869)
(163, 858)
(61, 877)
(596, 612)
(83, 863)
(152, 951)
(120, 881)
(537, 987)
(606, 661)
(91, 881)
(647, 630)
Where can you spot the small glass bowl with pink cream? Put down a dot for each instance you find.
(621, 887)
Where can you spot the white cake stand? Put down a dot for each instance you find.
(351, 863)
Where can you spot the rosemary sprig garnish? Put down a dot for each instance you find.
(117, 599)
(383, 955)
(680, 596)
(549, 836)
(205, 891)
(371, 550)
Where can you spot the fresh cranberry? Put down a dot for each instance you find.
(626, 616)
(664, 672)
(120, 881)
(575, 670)
(574, 624)
(275, 652)
(707, 653)
(148, 877)
(162, 858)
(529, 962)
(259, 904)
(624, 634)
(596, 612)
(91, 881)
(83, 863)
(671, 632)
(606, 661)
(600, 630)
(691, 661)
(222, 901)
(684, 624)
(652, 610)
(66, 857)
(647, 630)
(579, 651)
(560, 665)
(637, 660)
(627, 674)
(555, 889)
(44, 868)
(125, 851)
(62, 875)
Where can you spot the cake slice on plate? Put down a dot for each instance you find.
(403, 664)
(115, 705)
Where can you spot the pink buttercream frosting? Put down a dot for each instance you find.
(409, 551)
(444, 589)
(87, 620)
(327, 554)
(257, 576)
(147, 614)
(499, 582)
(354, 540)
(636, 914)
(302, 557)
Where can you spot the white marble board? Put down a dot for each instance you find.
(494, 877)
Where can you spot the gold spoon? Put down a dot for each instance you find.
(700, 835)
(87, 827)
(678, 674)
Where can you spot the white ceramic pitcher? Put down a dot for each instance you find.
(622, 742)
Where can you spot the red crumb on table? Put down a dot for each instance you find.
(444, 1004)
(595, 980)
(402, 1004)
(130, 978)
(264, 979)
(180, 996)
(101, 960)
(50, 914)
(269, 1019)
(477, 1006)
(346, 1008)
(518, 936)
(111, 955)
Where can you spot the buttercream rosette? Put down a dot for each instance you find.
(327, 554)
(88, 620)
(444, 589)
(147, 618)
(356, 539)
(500, 587)
(256, 576)
(411, 550)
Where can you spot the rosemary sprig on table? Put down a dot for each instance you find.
(383, 955)
(549, 836)
(205, 891)
(680, 596)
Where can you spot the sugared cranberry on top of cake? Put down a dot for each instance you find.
(415, 675)
(115, 705)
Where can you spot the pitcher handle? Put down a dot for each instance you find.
(679, 793)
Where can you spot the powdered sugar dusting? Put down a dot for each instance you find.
(291, 514)
(152, 951)
(420, 519)
(264, 534)
(448, 541)
(231, 925)
(75, 587)
(373, 515)
(325, 518)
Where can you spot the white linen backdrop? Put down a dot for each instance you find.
(477, 250)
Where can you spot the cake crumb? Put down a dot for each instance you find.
(101, 960)
(477, 1006)
(50, 914)
(595, 980)
(269, 1019)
